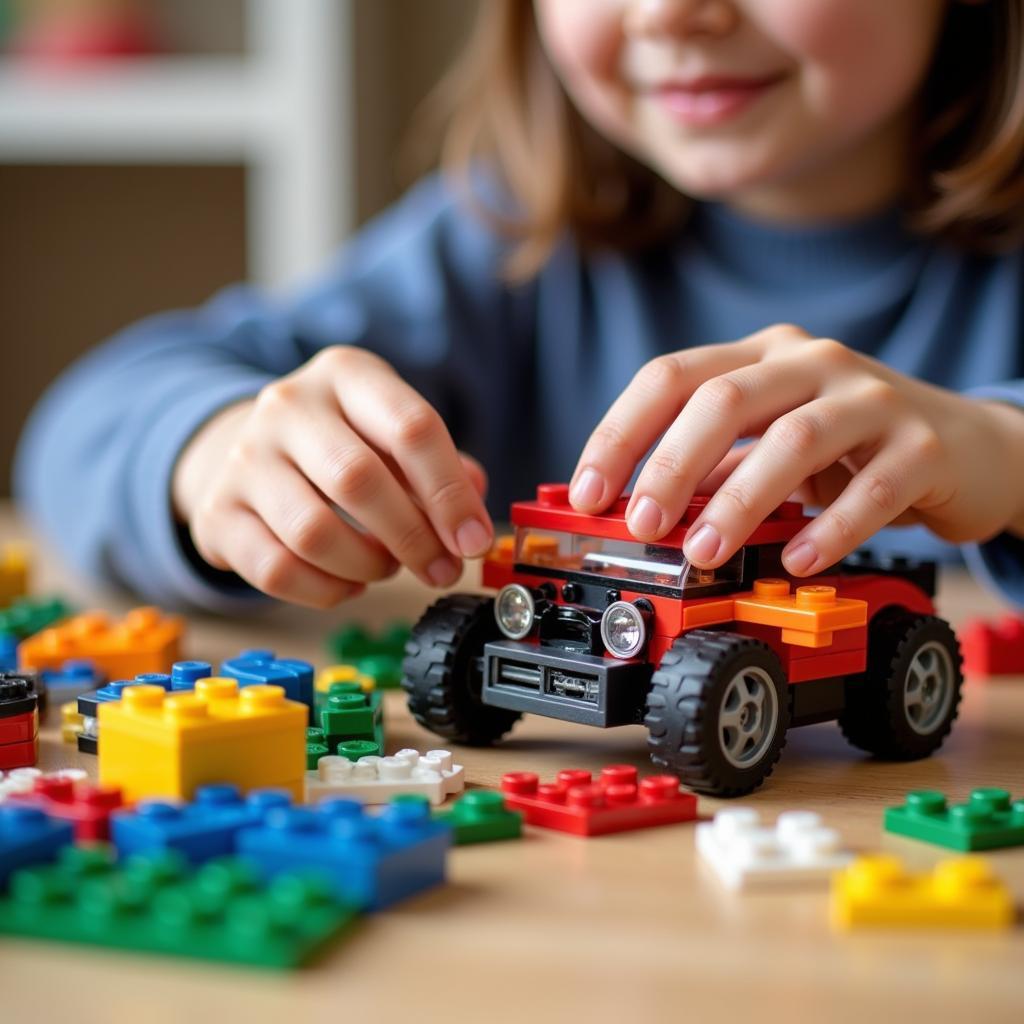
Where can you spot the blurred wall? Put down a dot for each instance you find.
(87, 250)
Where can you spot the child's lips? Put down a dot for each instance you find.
(712, 99)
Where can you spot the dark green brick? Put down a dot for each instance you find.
(987, 821)
(31, 615)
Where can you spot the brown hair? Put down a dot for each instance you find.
(506, 109)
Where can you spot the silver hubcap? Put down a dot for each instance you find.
(928, 688)
(749, 717)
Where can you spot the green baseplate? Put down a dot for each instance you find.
(378, 656)
(987, 821)
(157, 903)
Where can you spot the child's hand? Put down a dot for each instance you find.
(257, 483)
(837, 429)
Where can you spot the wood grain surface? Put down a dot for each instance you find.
(629, 927)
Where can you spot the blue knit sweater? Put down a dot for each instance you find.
(521, 374)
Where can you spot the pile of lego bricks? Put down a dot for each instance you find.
(268, 784)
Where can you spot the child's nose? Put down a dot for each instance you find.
(681, 18)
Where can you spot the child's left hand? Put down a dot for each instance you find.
(836, 429)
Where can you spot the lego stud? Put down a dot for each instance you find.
(259, 698)
(870, 873)
(218, 688)
(141, 697)
(597, 796)
(88, 624)
(478, 805)
(520, 783)
(355, 750)
(552, 495)
(771, 587)
(959, 876)
(573, 777)
(926, 801)
(438, 760)
(180, 708)
(656, 788)
(618, 774)
(815, 597)
(141, 620)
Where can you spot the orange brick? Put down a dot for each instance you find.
(145, 640)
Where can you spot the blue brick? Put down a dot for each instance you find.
(261, 667)
(8, 652)
(72, 678)
(89, 702)
(185, 674)
(201, 830)
(371, 861)
(29, 836)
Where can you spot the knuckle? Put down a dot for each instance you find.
(610, 437)
(416, 426)
(279, 396)
(797, 435)
(354, 471)
(311, 533)
(722, 394)
(841, 525)
(879, 395)
(927, 446)
(662, 374)
(784, 334)
(833, 353)
(882, 492)
(665, 463)
(274, 571)
(414, 543)
(736, 495)
(449, 494)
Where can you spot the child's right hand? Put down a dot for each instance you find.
(257, 483)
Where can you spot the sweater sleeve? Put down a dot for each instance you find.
(420, 286)
(999, 563)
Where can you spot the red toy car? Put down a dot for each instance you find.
(593, 626)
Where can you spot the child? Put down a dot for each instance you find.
(649, 179)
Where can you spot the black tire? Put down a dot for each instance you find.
(440, 672)
(685, 706)
(876, 717)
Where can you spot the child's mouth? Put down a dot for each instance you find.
(712, 99)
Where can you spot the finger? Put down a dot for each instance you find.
(721, 411)
(794, 448)
(305, 523)
(338, 462)
(477, 474)
(650, 402)
(720, 473)
(398, 421)
(246, 545)
(875, 496)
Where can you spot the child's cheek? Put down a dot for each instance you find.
(584, 40)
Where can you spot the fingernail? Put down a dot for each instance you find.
(703, 545)
(645, 517)
(442, 572)
(473, 538)
(800, 559)
(588, 488)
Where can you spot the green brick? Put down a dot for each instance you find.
(316, 747)
(31, 615)
(355, 749)
(378, 655)
(156, 904)
(348, 712)
(986, 822)
(480, 816)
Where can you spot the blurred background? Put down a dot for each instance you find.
(153, 151)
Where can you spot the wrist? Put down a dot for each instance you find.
(203, 456)
(1009, 421)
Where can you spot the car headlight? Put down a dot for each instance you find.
(515, 611)
(623, 629)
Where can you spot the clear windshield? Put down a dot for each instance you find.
(619, 560)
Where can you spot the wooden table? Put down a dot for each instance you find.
(559, 928)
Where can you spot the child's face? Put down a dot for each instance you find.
(729, 98)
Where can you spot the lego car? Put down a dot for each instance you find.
(592, 626)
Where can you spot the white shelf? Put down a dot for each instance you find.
(177, 109)
(283, 111)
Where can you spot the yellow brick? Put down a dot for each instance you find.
(71, 723)
(342, 674)
(961, 892)
(145, 640)
(14, 568)
(159, 744)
